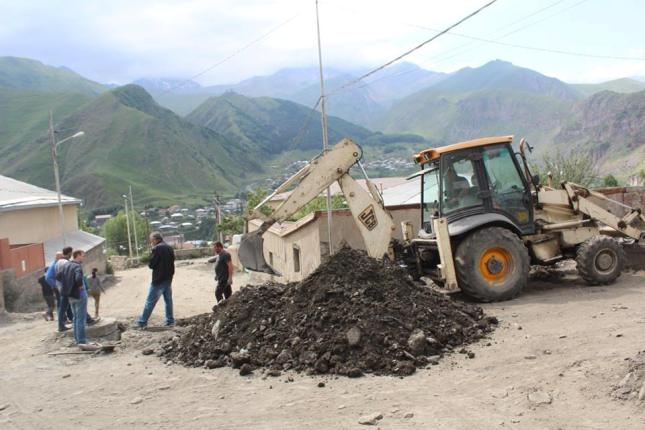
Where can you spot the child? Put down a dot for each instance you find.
(95, 289)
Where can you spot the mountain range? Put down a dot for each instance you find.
(177, 141)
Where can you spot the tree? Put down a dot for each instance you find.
(254, 198)
(231, 224)
(574, 167)
(115, 232)
(610, 181)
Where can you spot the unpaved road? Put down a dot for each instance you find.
(551, 364)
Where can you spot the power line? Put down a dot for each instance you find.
(235, 53)
(517, 29)
(410, 51)
(535, 48)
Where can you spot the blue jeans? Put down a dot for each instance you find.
(79, 307)
(64, 309)
(157, 290)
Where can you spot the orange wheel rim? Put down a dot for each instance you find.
(495, 264)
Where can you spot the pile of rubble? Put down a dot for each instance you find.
(353, 315)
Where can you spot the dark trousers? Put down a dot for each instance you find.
(64, 310)
(51, 305)
(223, 290)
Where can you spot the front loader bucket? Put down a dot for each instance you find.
(635, 253)
(251, 253)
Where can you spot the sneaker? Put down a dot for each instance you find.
(65, 328)
(172, 324)
(93, 321)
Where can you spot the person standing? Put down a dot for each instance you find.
(48, 295)
(71, 278)
(95, 289)
(64, 309)
(223, 272)
(162, 263)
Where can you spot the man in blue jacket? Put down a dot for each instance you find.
(162, 263)
(71, 279)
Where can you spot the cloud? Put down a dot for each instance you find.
(119, 41)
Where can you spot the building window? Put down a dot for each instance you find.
(271, 259)
(296, 259)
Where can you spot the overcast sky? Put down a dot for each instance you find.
(118, 41)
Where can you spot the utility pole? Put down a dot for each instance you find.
(323, 120)
(127, 223)
(134, 223)
(52, 140)
(218, 217)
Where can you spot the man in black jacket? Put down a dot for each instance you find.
(162, 263)
(71, 278)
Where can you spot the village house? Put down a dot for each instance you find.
(30, 236)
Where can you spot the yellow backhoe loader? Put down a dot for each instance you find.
(484, 219)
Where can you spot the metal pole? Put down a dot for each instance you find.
(134, 223)
(127, 223)
(218, 218)
(52, 139)
(323, 120)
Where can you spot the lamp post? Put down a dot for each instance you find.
(134, 224)
(127, 223)
(54, 150)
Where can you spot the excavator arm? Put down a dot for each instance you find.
(373, 220)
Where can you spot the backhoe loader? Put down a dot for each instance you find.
(485, 218)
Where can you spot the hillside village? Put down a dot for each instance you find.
(393, 216)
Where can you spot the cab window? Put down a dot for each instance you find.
(460, 188)
(430, 194)
(505, 183)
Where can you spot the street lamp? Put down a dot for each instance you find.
(54, 148)
(127, 223)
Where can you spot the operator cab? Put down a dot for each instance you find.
(474, 183)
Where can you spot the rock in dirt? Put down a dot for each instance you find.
(246, 369)
(540, 398)
(371, 419)
(351, 316)
(417, 342)
(136, 401)
(353, 336)
(3, 407)
(408, 415)
(147, 351)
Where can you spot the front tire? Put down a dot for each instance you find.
(492, 265)
(600, 260)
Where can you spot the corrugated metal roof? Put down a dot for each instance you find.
(15, 195)
(404, 194)
(77, 239)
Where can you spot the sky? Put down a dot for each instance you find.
(118, 41)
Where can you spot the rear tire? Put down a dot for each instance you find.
(600, 260)
(492, 265)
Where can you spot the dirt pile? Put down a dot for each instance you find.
(352, 315)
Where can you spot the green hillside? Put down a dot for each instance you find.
(131, 140)
(624, 85)
(31, 75)
(496, 98)
(610, 126)
(271, 126)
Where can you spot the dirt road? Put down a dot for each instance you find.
(551, 364)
